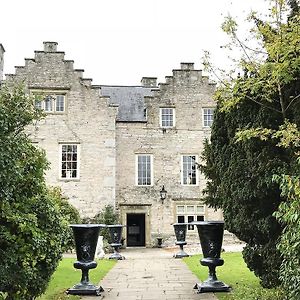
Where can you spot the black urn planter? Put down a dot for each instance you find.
(211, 238)
(180, 233)
(159, 242)
(116, 237)
(86, 238)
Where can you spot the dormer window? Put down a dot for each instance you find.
(51, 102)
(167, 117)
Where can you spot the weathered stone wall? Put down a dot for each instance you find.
(88, 120)
(188, 92)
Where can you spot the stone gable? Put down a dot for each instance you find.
(88, 121)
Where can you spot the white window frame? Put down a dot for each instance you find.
(161, 118)
(55, 95)
(207, 123)
(61, 161)
(182, 170)
(48, 99)
(137, 169)
(57, 106)
(186, 214)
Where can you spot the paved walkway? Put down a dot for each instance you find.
(150, 274)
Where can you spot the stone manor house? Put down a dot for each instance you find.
(123, 145)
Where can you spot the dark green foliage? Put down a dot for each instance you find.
(33, 233)
(289, 245)
(69, 212)
(241, 184)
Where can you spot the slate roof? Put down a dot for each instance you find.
(130, 100)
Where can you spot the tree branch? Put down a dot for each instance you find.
(262, 104)
(295, 98)
(242, 46)
(212, 70)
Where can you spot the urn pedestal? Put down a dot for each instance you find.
(180, 233)
(86, 238)
(116, 237)
(211, 238)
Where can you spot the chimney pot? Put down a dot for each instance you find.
(50, 47)
(187, 66)
(149, 81)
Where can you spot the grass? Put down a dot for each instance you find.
(66, 276)
(234, 272)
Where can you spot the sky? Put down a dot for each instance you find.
(117, 42)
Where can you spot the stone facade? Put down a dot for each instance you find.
(111, 127)
(187, 92)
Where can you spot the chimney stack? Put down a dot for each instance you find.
(187, 66)
(149, 81)
(50, 46)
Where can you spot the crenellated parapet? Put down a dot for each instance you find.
(48, 69)
(184, 78)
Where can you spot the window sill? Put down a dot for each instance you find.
(69, 179)
(54, 112)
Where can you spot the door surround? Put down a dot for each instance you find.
(136, 209)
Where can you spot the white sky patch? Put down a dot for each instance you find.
(118, 42)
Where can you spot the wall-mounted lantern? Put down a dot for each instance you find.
(163, 194)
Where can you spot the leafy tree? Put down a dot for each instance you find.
(288, 215)
(254, 110)
(289, 245)
(33, 232)
(69, 212)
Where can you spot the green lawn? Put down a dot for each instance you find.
(66, 276)
(234, 272)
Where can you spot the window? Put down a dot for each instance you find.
(208, 117)
(38, 103)
(144, 169)
(189, 170)
(69, 161)
(50, 103)
(60, 102)
(167, 117)
(190, 213)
